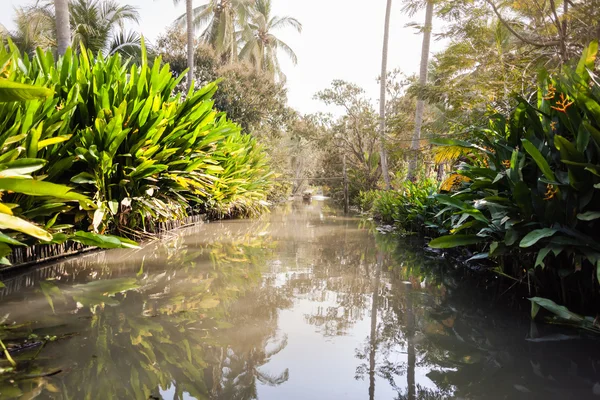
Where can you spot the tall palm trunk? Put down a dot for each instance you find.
(189, 19)
(63, 26)
(412, 166)
(384, 56)
(373, 338)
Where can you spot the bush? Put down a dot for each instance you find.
(412, 207)
(530, 191)
(118, 135)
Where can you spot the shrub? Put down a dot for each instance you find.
(412, 207)
(120, 136)
(530, 196)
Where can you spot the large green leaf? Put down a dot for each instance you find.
(103, 241)
(450, 241)
(14, 91)
(20, 225)
(560, 311)
(539, 159)
(588, 216)
(535, 236)
(40, 188)
(587, 60)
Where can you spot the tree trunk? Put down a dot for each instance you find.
(373, 338)
(63, 26)
(412, 166)
(190, 41)
(383, 78)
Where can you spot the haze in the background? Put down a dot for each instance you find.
(342, 39)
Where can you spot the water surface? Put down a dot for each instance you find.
(304, 303)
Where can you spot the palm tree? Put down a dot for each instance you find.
(189, 26)
(383, 81)
(95, 24)
(35, 27)
(63, 29)
(221, 20)
(412, 166)
(261, 45)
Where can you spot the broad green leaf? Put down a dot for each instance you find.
(587, 60)
(588, 216)
(14, 91)
(20, 225)
(20, 167)
(535, 236)
(539, 159)
(450, 241)
(40, 188)
(53, 140)
(559, 311)
(452, 201)
(539, 260)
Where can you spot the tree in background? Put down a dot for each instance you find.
(353, 134)
(382, 93)
(221, 20)
(63, 28)
(190, 30)
(35, 27)
(97, 24)
(100, 26)
(412, 7)
(249, 96)
(260, 45)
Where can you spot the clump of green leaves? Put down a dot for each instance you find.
(412, 207)
(530, 193)
(111, 147)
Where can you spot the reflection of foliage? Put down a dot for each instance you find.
(160, 325)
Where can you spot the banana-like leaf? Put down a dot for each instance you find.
(40, 188)
(14, 91)
(535, 236)
(539, 159)
(20, 225)
(450, 241)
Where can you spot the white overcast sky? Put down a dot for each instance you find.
(341, 39)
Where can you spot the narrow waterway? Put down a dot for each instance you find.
(304, 303)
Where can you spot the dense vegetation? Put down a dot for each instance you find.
(123, 144)
(481, 150)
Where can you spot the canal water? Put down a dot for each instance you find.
(303, 303)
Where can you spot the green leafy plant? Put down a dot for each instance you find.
(529, 196)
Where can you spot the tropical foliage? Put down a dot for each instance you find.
(530, 186)
(99, 25)
(120, 143)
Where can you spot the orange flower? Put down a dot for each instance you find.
(553, 126)
(551, 92)
(562, 104)
(550, 192)
(506, 163)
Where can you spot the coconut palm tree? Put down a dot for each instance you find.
(189, 26)
(222, 20)
(383, 81)
(413, 7)
(63, 29)
(422, 81)
(261, 45)
(35, 27)
(99, 25)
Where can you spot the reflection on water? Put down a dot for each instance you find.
(305, 303)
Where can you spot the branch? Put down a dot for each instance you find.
(519, 36)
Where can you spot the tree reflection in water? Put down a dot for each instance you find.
(201, 316)
(149, 323)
